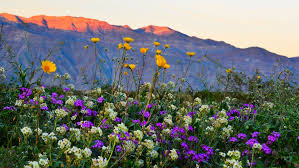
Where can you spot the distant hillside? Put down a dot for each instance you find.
(47, 32)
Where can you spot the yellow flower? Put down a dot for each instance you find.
(228, 70)
(166, 46)
(132, 66)
(259, 77)
(126, 65)
(143, 50)
(160, 60)
(127, 46)
(125, 73)
(48, 66)
(120, 46)
(190, 53)
(158, 52)
(128, 39)
(95, 39)
(156, 44)
(198, 60)
(166, 66)
(86, 46)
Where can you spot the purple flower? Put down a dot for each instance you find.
(54, 95)
(276, 134)
(143, 123)
(66, 89)
(136, 121)
(266, 149)
(244, 152)
(60, 102)
(135, 102)
(208, 149)
(242, 136)
(118, 148)
(271, 138)
(100, 99)
(85, 124)
(117, 119)
(163, 112)
(190, 128)
(251, 142)
(65, 126)
(233, 139)
(147, 114)
(255, 134)
(149, 106)
(79, 103)
(193, 138)
(44, 108)
(61, 96)
(11, 108)
(184, 145)
(99, 144)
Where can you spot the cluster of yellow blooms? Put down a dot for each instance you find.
(161, 62)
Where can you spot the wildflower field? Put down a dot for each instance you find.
(251, 122)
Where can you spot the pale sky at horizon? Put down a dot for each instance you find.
(270, 24)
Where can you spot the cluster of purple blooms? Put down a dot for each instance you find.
(237, 112)
(265, 146)
(26, 93)
(55, 99)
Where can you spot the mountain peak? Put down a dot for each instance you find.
(79, 24)
(127, 27)
(157, 30)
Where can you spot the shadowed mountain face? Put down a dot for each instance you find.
(47, 32)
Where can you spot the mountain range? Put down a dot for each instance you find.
(66, 36)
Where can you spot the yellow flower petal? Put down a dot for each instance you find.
(95, 39)
(128, 39)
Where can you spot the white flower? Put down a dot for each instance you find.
(60, 113)
(138, 134)
(99, 162)
(32, 164)
(61, 130)
(49, 137)
(96, 130)
(173, 107)
(2, 70)
(86, 152)
(222, 154)
(123, 103)
(168, 119)
(19, 103)
(64, 144)
(26, 131)
(257, 146)
(197, 101)
(204, 108)
(70, 101)
(122, 127)
(140, 163)
(188, 120)
(57, 76)
(44, 162)
(67, 76)
(89, 104)
(129, 146)
(149, 144)
(173, 154)
(40, 131)
(153, 153)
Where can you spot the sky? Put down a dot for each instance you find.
(270, 24)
